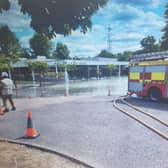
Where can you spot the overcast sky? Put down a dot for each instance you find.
(130, 22)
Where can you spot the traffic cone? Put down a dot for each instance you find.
(109, 92)
(1, 111)
(30, 131)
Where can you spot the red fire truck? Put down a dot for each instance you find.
(148, 75)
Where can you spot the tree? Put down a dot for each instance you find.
(53, 17)
(25, 53)
(76, 58)
(61, 52)
(106, 54)
(112, 69)
(4, 5)
(40, 45)
(148, 44)
(39, 66)
(4, 63)
(124, 56)
(72, 70)
(164, 41)
(9, 44)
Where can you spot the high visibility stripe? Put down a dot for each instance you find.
(147, 81)
(153, 63)
(133, 80)
(158, 76)
(134, 76)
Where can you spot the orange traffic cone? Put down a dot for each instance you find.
(30, 131)
(1, 111)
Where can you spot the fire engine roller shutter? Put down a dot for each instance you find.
(157, 72)
(135, 72)
(135, 86)
(134, 76)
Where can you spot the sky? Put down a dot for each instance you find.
(130, 21)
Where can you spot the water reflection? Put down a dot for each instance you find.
(118, 86)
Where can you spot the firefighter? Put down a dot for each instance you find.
(7, 91)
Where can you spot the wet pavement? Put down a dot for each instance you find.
(88, 128)
(94, 87)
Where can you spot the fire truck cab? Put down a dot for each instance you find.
(148, 75)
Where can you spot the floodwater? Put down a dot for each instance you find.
(114, 86)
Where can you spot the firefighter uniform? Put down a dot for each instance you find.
(7, 91)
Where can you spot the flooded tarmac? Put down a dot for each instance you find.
(114, 85)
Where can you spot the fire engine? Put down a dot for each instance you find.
(148, 75)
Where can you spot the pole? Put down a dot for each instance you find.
(88, 72)
(119, 70)
(33, 77)
(66, 82)
(9, 72)
(56, 70)
(98, 72)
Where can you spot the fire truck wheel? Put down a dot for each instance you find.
(155, 94)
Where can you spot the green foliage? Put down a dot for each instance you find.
(41, 45)
(71, 67)
(4, 5)
(61, 52)
(9, 44)
(24, 53)
(39, 66)
(106, 54)
(148, 45)
(111, 67)
(124, 56)
(53, 17)
(4, 63)
(120, 56)
(164, 41)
